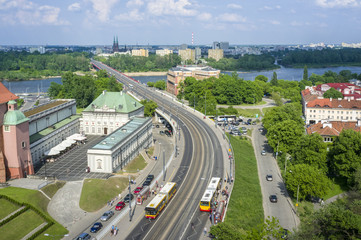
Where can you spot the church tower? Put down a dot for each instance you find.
(115, 45)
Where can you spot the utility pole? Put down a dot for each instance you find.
(130, 203)
(163, 165)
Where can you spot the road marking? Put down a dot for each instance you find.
(170, 177)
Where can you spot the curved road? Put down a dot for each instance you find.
(202, 160)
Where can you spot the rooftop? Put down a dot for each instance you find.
(120, 134)
(44, 107)
(333, 128)
(6, 95)
(334, 103)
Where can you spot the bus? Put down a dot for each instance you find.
(169, 190)
(210, 195)
(153, 209)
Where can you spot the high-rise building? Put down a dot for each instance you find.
(183, 47)
(187, 54)
(163, 52)
(198, 53)
(216, 54)
(221, 45)
(140, 52)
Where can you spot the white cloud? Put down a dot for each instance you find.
(296, 24)
(28, 13)
(132, 16)
(204, 16)
(231, 17)
(270, 8)
(74, 7)
(337, 3)
(134, 3)
(234, 6)
(275, 22)
(103, 8)
(293, 11)
(171, 7)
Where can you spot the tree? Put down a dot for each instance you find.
(305, 73)
(150, 84)
(226, 231)
(307, 180)
(160, 84)
(149, 107)
(292, 111)
(262, 78)
(311, 150)
(274, 80)
(277, 98)
(332, 93)
(345, 155)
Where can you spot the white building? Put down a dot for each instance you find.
(163, 52)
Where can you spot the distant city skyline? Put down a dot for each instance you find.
(171, 22)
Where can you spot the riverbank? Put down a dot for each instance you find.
(145, 74)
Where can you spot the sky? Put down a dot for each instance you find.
(172, 22)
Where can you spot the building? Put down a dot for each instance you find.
(49, 125)
(331, 129)
(183, 47)
(163, 52)
(108, 112)
(115, 45)
(15, 157)
(216, 54)
(114, 152)
(198, 53)
(187, 55)
(221, 45)
(180, 73)
(140, 52)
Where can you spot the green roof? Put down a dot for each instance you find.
(14, 117)
(119, 101)
(36, 136)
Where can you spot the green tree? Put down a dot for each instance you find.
(332, 93)
(149, 107)
(275, 96)
(55, 89)
(292, 111)
(307, 180)
(226, 231)
(274, 80)
(261, 78)
(311, 150)
(345, 155)
(160, 84)
(305, 73)
(150, 84)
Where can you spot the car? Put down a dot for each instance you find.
(273, 198)
(96, 227)
(128, 197)
(263, 153)
(150, 177)
(106, 216)
(269, 177)
(83, 236)
(146, 183)
(157, 126)
(161, 132)
(137, 190)
(167, 133)
(254, 123)
(120, 205)
(261, 129)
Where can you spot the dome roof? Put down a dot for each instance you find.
(14, 117)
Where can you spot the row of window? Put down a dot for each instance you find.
(331, 117)
(338, 112)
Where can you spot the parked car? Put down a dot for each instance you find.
(106, 216)
(150, 177)
(167, 133)
(129, 197)
(120, 205)
(157, 126)
(269, 177)
(161, 132)
(263, 153)
(96, 227)
(137, 190)
(273, 198)
(83, 236)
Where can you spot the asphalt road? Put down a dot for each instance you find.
(203, 159)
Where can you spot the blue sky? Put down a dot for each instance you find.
(96, 22)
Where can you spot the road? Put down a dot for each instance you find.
(202, 159)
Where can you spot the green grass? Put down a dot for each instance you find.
(6, 208)
(245, 210)
(135, 165)
(304, 209)
(21, 225)
(150, 151)
(51, 189)
(244, 104)
(97, 192)
(249, 132)
(249, 112)
(39, 201)
(338, 186)
(79, 110)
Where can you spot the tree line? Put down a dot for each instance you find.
(128, 63)
(84, 89)
(23, 65)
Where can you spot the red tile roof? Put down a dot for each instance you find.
(335, 103)
(6, 95)
(335, 130)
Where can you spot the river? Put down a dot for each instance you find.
(35, 86)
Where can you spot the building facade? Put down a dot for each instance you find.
(163, 52)
(187, 55)
(108, 112)
(216, 54)
(140, 52)
(177, 74)
(115, 151)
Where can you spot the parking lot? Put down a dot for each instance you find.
(71, 165)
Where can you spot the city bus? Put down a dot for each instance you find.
(169, 190)
(215, 184)
(205, 204)
(153, 209)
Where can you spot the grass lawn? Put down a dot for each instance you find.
(21, 225)
(39, 201)
(338, 186)
(6, 208)
(305, 209)
(249, 132)
(244, 104)
(245, 208)
(79, 110)
(135, 165)
(97, 192)
(150, 151)
(51, 189)
(251, 113)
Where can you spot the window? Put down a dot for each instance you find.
(7, 128)
(23, 144)
(99, 130)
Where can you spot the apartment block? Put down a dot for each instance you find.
(163, 52)
(140, 52)
(216, 54)
(187, 54)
